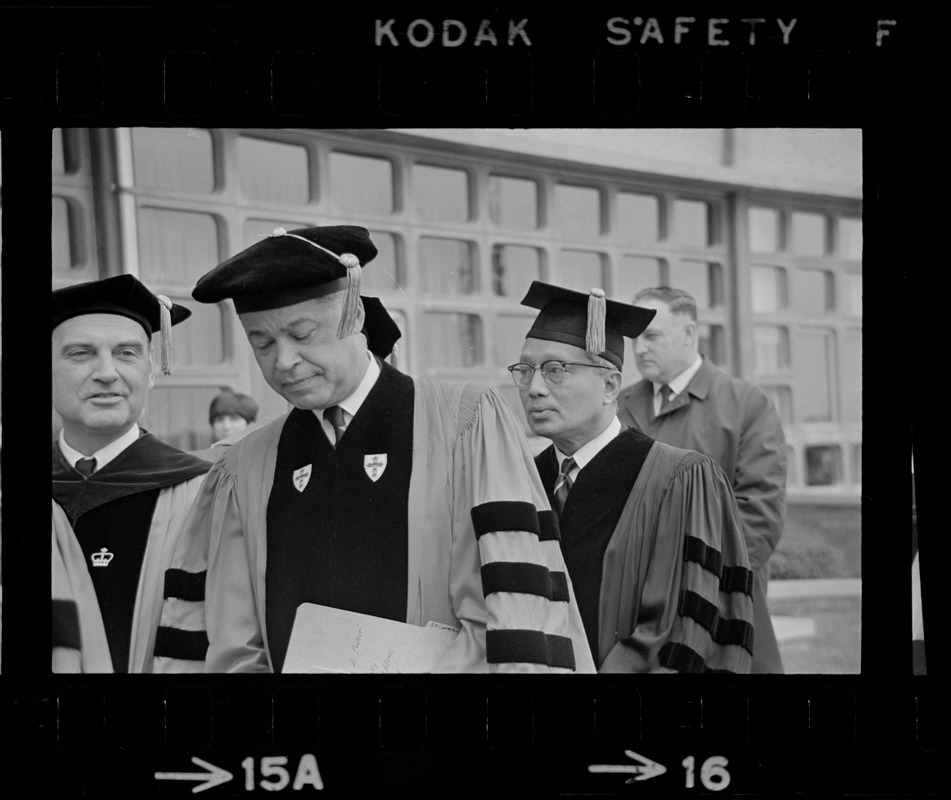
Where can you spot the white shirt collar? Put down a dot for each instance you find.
(104, 455)
(678, 384)
(586, 452)
(351, 405)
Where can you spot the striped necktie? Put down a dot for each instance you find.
(334, 414)
(563, 484)
(86, 466)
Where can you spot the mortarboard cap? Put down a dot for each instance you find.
(585, 320)
(126, 296)
(289, 267)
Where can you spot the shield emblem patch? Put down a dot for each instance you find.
(302, 477)
(374, 465)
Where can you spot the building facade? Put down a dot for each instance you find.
(763, 227)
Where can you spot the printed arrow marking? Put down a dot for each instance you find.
(212, 778)
(644, 770)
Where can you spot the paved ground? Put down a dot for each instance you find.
(818, 625)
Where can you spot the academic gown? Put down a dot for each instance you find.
(80, 642)
(482, 549)
(735, 423)
(673, 592)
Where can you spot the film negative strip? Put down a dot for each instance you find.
(567, 146)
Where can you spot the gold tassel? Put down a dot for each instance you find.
(351, 302)
(165, 322)
(597, 312)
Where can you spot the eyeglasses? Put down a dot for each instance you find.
(553, 372)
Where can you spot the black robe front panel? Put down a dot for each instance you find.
(341, 540)
(591, 514)
(115, 535)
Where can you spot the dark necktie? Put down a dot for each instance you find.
(334, 414)
(563, 484)
(86, 466)
(665, 393)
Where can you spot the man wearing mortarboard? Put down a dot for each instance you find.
(650, 533)
(119, 494)
(380, 494)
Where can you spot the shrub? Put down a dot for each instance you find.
(805, 557)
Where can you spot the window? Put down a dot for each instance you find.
(692, 223)
(764, 230)
(635, 273)
(771, 346)
(581, 270)
(255, 230)
(814, 350)
(442, 195)
(513, 203)
(823, 465)
(701, 279)
(386, 273)
(65, 151)
(769, 289)
(514, 268)
(450, 340)
(851, 376)
(853, 289)
(273, 172)
(638, 218)
(200, 341)
(850, 238)
(809, 235)
(180, 414)
(712, 343)
(855, 462)
(782, 399)
(361, 184)
(174, 159)
(176, 247)
(509, 332)
(66, 255)
(815, 291)
(447, 266)
(577, 212)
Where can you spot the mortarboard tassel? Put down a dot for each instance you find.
(351, 301)
(348, 319)
(597, 312)
(165, 322)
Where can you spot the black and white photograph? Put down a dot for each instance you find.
(725, 266)
(425, 382)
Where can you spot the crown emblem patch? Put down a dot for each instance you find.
(102, 558)
(374, 466)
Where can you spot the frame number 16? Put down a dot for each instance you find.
(713, 773)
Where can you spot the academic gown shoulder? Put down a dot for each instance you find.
(475, 501)
(676, 588)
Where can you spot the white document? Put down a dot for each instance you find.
(326, 639)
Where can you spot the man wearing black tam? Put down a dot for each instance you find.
(378, 494)
(119, 495)
(650, 533)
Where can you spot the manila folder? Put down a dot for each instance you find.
(326, 639)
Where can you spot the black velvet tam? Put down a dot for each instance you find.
(286, 268)
(124, 295)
